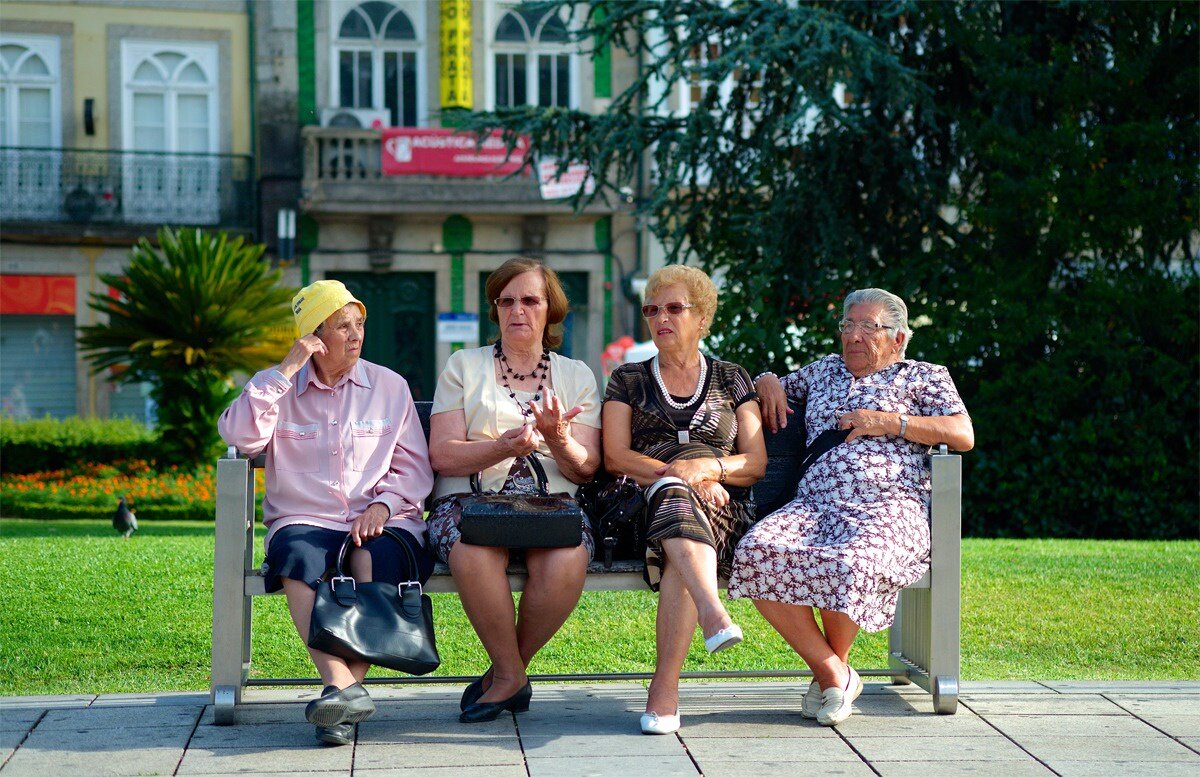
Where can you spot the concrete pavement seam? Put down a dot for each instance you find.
(1151, 725)
(1010, 739)
(521, 744)
(188, 743)
(36, 723)
(856, 751)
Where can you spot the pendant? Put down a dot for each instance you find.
(683, 437)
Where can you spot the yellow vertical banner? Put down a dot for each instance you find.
(456, 54)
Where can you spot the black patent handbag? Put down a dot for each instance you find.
(541, 520)
(380, 623)
(616, 509)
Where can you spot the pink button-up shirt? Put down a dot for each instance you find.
(331, 452)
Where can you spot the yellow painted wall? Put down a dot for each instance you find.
(91, 57)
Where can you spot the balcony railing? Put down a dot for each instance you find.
(343, 173)
(126, 188)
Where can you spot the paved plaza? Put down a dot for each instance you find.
(1002, 728)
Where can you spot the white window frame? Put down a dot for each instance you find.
(494, 13)
(49, 49)
(416, 13)
(206, 55)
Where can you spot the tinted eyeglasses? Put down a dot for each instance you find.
(508, 302)
(868, 328)
(672, 308)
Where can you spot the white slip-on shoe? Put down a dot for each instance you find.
(811, 704)
(653, 723)
(725, 638)
(838, 703)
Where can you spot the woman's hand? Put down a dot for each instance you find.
(519, 441)
(690, 471)
(302, 350)
(551, 421)
(869, 423)
(773, 401)
(713, 492)
(370, 524)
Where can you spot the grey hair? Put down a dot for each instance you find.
(895, 312)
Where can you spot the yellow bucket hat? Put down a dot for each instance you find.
(318, 301)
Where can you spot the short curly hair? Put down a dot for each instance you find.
(701, 290)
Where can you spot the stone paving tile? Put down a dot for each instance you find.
(260, 713)
(102, 751)
(269, 735)
(762, 725)
(963, 723)
(47, 702)
(153, 699)
(1054, 704)
(814, 750)
(1027, 768)
(491, 770)
(414, 710)
(585, 745)
(1006, 687)
(608, 722)
(927, 748)
(1174, 725)
(1136, 749)
(266, 760)
(606, 766)
(121, 717)
(10, 739)
(1122, 768)
(432, 730)
(714, 768)
(1191, 742)
(1018, 726)
(19, 718)
(1123, 686)
(460, 752)
(1181, 704)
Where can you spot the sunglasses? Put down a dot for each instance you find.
(672, 308)
(508, 302)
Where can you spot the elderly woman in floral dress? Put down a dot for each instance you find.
(857, 531)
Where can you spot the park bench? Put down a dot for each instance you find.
(923, 643)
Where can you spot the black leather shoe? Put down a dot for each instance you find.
(333, 707)
(472, 692)
(483, 711)
(341, 734)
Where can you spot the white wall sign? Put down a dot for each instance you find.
(457, 327)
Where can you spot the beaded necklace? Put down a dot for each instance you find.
(506, 370)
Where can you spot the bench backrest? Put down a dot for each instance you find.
(785, 451)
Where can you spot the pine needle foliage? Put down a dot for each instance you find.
(191, 312)
(1025, 175)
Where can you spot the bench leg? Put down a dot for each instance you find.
(945, 695)
(231, 607)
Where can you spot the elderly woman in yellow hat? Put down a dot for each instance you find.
(344, 454)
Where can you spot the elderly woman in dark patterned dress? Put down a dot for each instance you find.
(857, 531)
(685, 427)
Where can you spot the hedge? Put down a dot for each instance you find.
(21, 508)
(47, 444)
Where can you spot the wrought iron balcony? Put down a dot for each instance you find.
(80, 187)
(343, 173)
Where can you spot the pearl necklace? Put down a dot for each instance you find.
(667, 394)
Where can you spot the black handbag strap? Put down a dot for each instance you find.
(414, 570)
(825, 442)
(539, 472)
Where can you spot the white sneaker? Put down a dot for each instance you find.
(653, 723)
(838, 703)
(725, 638)
(811, 703)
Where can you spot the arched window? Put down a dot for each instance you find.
(378, 56)
(534, 61)
(29, 102)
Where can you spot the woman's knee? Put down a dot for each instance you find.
(563, 566)
(467, 558)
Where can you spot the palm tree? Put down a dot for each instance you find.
(191, 313)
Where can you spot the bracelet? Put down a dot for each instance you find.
(903, 424)
(762, 375)
(721, 464)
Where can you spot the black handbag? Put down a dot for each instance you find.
(617, 511)
(380, 623)
(541, 520)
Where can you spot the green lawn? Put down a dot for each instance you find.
(84, 611)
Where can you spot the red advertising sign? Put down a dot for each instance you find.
(447, 152)
(37, 295)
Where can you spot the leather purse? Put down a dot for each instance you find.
(616, 509)
(381, 623)
(541, 520)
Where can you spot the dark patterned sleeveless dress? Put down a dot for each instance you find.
(711, 423)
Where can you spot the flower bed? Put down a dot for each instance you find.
(92, 491)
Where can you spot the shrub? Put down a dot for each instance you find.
(51, 444)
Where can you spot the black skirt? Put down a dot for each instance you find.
(309, 553)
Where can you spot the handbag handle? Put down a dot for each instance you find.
(539, 472)
(388, 531)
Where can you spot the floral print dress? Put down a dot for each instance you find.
(858, 530)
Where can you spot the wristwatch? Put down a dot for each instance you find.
(903, 424)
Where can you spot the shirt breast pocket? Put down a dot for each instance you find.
(297, 447)
(371, 440)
